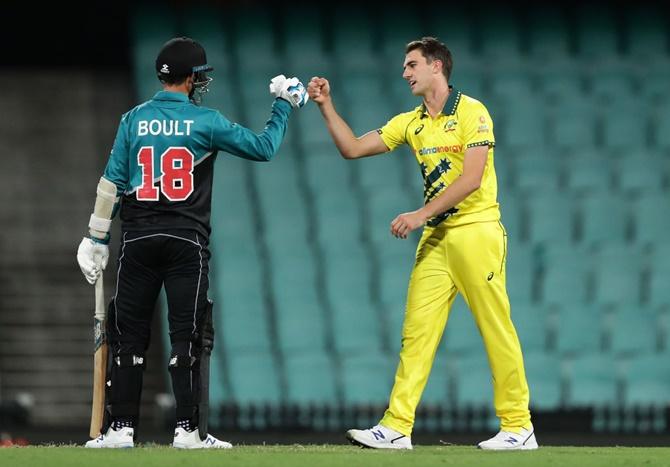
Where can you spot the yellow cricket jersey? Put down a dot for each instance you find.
(439, 146)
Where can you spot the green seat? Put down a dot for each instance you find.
(579, 329)
(592, 382)
(621, 129)
(474, 387)
(376, 173)
(647, 380)
(461, 336)
(662, 129)
(574, 123)
(641, 172)
(257, 23)
(311, 379)
(544, 376)
(304, 42)
(604, 218)
(587, 172)
(397, 31)
(383, 205)
(511, 213)
(560, 79)
(649, 224)
(531, 324)
(499, 34)
(536, 173)
(548, 34)
(367, 378)
(611, 82)
(149, 30)
(351, 41)
(613, 284)
(438, 391)
(647, 37)
(596, 33)
(551, 218)
(633, 331)
(658, 293)
(254, 378)
(564, 274)
(523, 126)
(520, 272)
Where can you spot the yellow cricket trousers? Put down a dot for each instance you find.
(469, 259)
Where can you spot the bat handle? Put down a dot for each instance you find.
(99, 299)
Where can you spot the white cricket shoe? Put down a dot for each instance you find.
(121, 438)
(379, 437)
(191, 440)
(506, 440)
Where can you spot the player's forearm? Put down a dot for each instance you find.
(342, 135)
(460, 189)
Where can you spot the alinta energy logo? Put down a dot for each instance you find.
(453, 148)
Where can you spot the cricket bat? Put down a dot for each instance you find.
(99, 360)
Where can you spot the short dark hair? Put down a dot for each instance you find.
(433, 49)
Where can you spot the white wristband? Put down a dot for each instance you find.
(100, 224)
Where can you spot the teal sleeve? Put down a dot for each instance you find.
(117, 170)
(242, 142)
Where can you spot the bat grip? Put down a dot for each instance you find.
(99, 299)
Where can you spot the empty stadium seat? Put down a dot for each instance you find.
(544, 376)
(588, 171)
(254, 378)
(474, 388)
(579, 329)
(520, 272)
(596, 32)
(604, 218)
(646, 32)
(461, 337)
(530, 322)
(617, 275)
(367, 378)
(551, 218)
(565, 278)
(310, 378)
(641, 172)
(658, 293)
(649, 224)
(548, 34)
(633, 331)
(647, 380)
(593, 381)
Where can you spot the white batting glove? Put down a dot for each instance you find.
(289, 89)
(92, 258)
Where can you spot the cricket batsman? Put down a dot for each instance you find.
(159, 174)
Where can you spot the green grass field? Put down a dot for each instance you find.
(327, 456)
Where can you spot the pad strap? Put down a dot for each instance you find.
(99, 223)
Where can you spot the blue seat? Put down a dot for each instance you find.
(647, 381)
(565, 275)
(658, 293)
(254, 378)
(650, 226)
(588, 171)
(367, 378)
(520, 272)
(592, 382)
(551, 218)
(535, 173)
(641, 172)
(574, 121)
(622, 129)
(597, 37)
(311, 379)
(474, 388)
(604, 218)
(647, 37)
(633, 331)
(461, 336)
(530, 322)
(548, 34)
(544, 375)
(613, 284)
(579, 329)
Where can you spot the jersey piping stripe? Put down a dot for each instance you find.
(116, 292)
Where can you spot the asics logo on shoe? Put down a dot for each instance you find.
(378, 434)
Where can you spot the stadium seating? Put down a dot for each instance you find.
(310, 285)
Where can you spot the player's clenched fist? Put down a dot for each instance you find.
(318, 90)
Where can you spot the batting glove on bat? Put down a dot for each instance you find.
(289, 89)
(92, 258)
